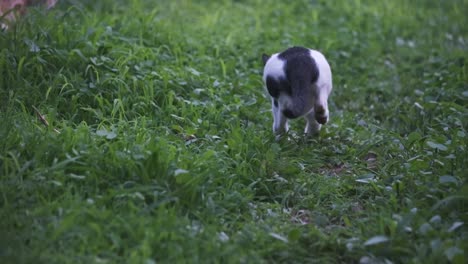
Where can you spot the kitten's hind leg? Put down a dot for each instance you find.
(312, 126)
(280, 122)
(321, 106)
(321, 114)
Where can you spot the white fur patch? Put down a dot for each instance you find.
(324, 81)
(274, 68)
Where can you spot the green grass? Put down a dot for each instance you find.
(166, 155)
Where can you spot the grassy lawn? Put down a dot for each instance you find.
(159, 146)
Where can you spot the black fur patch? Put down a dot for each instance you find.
(299, 65)
(275, 86)
(289, 114)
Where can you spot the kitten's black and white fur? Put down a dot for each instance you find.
(299, 81)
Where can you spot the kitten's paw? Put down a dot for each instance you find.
(321, 115)
(278, 137)
(312, 128)
(312, 132)
(279, 129)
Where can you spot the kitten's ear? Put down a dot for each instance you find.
(265, 58)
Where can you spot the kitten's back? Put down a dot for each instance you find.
(299, 66)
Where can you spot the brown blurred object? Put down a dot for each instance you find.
(10, 10)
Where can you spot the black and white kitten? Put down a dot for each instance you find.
(299, 81)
